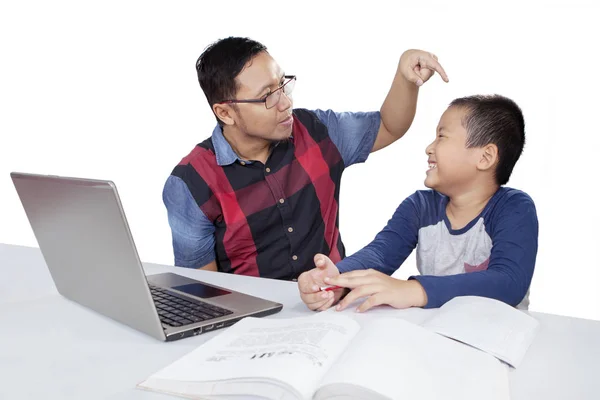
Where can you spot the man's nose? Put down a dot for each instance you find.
(284, 102)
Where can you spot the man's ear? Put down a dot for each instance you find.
(224, 112)
(489, 157)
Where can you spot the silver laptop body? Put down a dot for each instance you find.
(83, 234)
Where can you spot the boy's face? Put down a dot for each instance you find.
(452, 166)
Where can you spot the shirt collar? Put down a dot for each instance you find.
(223, 151)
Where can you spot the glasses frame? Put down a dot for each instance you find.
(280, 89)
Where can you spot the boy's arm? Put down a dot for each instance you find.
(511, 263)
(193, 233)
(398, 110)
(392, 245)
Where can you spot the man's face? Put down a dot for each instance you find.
(260, 77)
(452, 166)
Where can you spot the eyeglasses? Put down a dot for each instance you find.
(271, 99)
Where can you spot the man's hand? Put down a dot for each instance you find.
(310, 283)
(398, 110)
(418, 66)
(380, 289)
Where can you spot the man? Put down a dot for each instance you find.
(260, 196)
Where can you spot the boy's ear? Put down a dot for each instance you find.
(489, 157)
(224, 113)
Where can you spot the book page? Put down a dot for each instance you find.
(399, 360)
(487, 324)
(239, 361)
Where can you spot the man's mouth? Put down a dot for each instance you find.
(287, 121)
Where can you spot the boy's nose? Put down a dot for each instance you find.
(429, 149)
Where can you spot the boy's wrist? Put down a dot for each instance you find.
(418, 293)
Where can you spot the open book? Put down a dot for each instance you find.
(330, 356)
(487, 324)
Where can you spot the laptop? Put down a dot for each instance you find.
(82, 232)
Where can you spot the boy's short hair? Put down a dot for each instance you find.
(219, 65)
(494, 119)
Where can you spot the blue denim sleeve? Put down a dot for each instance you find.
(193, 233)
(508, 276)
(353, 133)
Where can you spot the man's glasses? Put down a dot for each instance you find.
(272, 98)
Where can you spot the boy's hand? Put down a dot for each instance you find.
(310, 283)
(380, 289)
(418, 66)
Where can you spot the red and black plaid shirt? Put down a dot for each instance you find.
(271, 219)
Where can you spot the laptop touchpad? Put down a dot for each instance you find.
(200, 290)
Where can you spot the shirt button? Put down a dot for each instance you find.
(294, 257)
(281, 201)
(290, 229)
(268, 169)
(242, 162)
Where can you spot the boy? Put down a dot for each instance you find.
(473, 235)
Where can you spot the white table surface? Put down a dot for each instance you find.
(52, 348)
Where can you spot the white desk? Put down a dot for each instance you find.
(52, 348)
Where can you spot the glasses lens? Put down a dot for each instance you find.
(289, 86)
(273, 99)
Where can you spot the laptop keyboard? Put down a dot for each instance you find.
(175, 310)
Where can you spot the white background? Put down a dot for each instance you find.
(108, 90)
